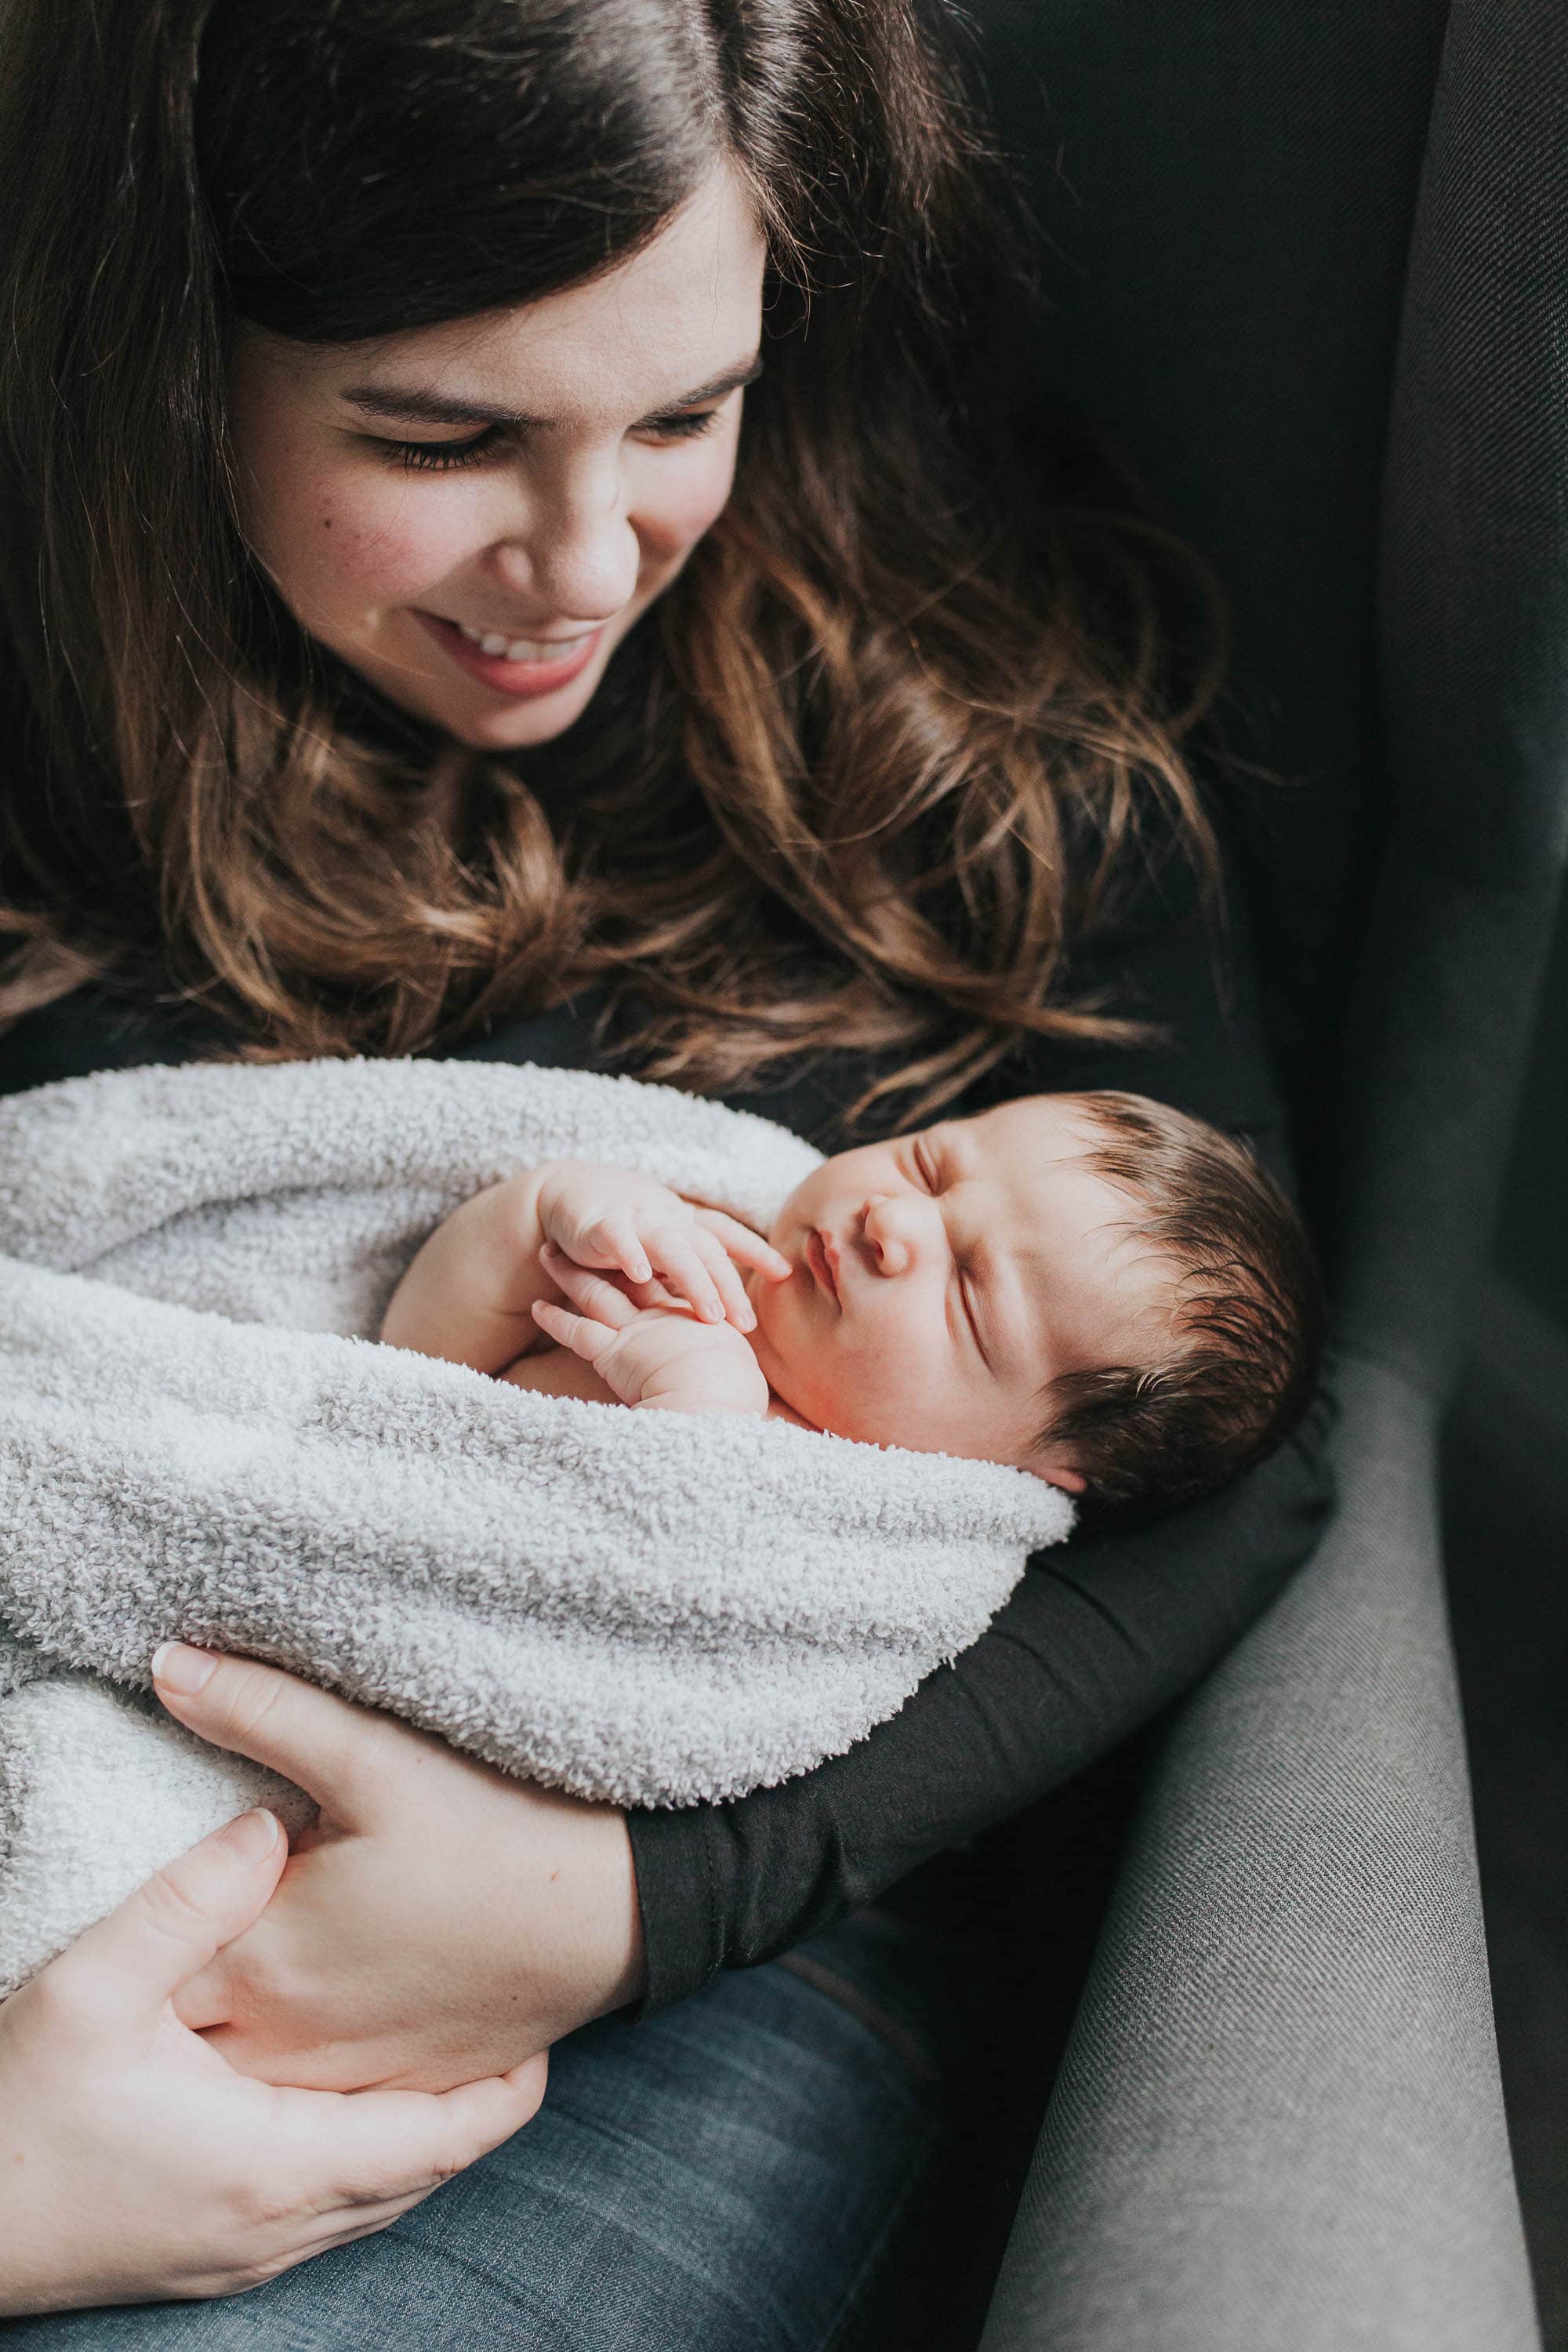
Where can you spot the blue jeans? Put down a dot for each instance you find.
(725, 2178)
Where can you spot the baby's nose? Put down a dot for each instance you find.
(890, 1227)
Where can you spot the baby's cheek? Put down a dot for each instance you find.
(796, 1361)
(851, 1395)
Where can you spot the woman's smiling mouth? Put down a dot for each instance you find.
(513, 679)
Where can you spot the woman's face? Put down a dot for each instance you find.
(533, 478)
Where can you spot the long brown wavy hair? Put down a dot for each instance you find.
(858, 779)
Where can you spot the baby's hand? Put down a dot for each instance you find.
(610, 1220)
(649, 1355)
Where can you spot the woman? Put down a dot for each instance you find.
(420, 641)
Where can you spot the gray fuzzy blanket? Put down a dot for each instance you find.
(199, 1437)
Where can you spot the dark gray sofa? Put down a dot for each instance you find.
(1308, 259)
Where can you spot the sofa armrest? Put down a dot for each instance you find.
(1279, 2123)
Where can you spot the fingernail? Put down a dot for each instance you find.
(181, 1669)
(252, 1837)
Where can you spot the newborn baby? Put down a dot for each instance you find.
(1092, 1287)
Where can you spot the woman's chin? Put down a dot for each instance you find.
(515, 726)
(508, 727)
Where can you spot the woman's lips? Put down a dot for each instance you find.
(512, 679)
(822, 1265)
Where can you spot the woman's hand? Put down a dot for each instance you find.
(440, 1924)
(135, 2165)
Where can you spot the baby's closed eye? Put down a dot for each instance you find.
(975, 1307)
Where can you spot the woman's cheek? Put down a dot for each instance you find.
(368, 546)
(686, 502)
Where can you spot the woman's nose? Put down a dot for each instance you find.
(895, 1230)
(576, 557)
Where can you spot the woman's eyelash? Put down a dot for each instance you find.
(688, 426)
(925, 1168)
(442, 456)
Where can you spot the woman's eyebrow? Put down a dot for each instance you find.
(407, 401)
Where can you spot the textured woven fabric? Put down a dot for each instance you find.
(1278, 2122)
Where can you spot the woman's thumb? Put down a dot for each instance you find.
(127, 1966)
(312, 1738)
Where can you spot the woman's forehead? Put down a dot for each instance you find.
(658, 329)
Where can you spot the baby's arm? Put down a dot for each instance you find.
(468, 1295)
(651, 1355)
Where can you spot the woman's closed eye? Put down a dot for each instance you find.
(443, 456)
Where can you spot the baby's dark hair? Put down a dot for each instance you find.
(1247, 1318)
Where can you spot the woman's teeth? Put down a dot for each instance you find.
(522, 649)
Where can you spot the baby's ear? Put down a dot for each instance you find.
(1056, 1474)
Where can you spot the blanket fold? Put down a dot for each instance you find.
(199, 1437)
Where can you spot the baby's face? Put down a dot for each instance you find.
(942, 1280)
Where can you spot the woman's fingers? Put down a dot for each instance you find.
(477, 2116)
(744, 1246)
(124, 1969)
(318, 1741)
(389, 2148)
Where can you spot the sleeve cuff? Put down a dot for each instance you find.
(677, 1899)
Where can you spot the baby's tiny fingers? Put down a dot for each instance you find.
(617, 1237)
(587, 1290)
(652, 1292)
(726, 1280)
(744, 1246)
(680, 1263)
(579, 1333)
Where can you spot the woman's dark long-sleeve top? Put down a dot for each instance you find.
(1099, 1635)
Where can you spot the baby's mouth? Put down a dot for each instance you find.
(822, 1265)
